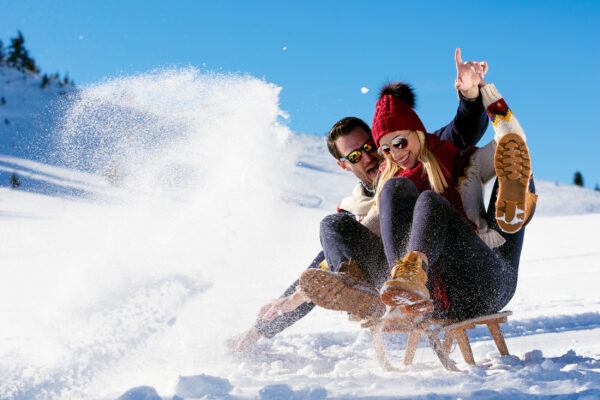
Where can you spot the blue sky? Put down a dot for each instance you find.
(543, 56)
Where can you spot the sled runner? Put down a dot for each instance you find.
(452, 330)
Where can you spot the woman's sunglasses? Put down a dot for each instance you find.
(355, 155)
(399, 142)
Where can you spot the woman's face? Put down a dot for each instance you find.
(401, 147)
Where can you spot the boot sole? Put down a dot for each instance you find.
(398, 296)
(513, 168)
(328, 290)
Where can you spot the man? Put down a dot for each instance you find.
(350, 143)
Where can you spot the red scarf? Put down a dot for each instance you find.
(449, 158)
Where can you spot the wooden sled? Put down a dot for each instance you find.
(453, 330)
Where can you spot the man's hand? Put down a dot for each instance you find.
(469, 75)
(242, 342)
(277, 307)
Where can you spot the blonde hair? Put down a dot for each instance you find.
(434, 172)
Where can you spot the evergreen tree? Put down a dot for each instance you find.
(16, 50)
(29, 65)
(45, 82)
(18, 56)
(578, 179)
(14, 181)
(597, 188)
(2, 55)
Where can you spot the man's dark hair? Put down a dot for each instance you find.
(343, 128)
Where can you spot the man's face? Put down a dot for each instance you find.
(368, 167)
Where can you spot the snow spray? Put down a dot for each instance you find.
(143, 283)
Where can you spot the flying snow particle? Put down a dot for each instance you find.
(364, 90)
(284, 48)
(80, 37)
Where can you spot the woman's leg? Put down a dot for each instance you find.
(396, 205)
(408, 284)
(465, 277)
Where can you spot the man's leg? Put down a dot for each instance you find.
(356, 261)
(510, 251)
(513, 168)
(344, 238)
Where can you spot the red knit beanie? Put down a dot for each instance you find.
(394, 111)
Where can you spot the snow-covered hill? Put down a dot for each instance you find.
(175, 203)
(29, 119)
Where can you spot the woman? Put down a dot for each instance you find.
(429, 241)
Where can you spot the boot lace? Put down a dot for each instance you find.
(406, 269)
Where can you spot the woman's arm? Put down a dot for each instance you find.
(471, 121)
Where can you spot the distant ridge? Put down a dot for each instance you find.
(33, 116)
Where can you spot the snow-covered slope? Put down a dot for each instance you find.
(183, 205)
(29, 118)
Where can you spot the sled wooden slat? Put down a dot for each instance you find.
(452, 330)
(379, 349)
(496, 333)
(411, 347)
(463, 343)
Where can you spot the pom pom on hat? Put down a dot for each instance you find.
(394, 111)
(400, 90)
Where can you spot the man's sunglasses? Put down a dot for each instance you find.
(399, 142)
(355, 155)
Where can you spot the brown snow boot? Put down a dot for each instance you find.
(515, 204)
(407, 286)
(348, 289)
